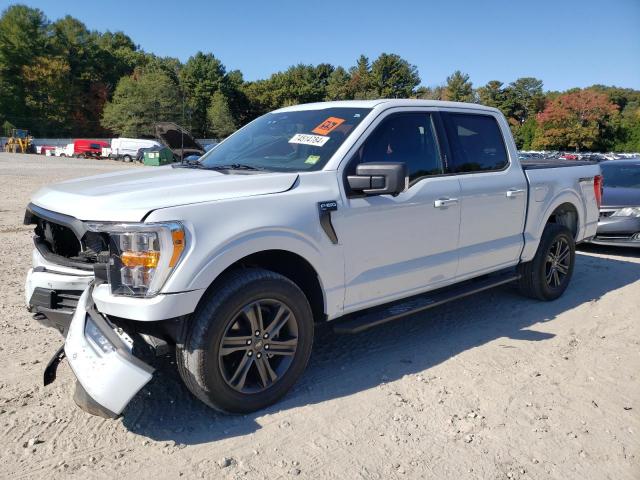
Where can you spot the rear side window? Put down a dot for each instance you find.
(403, 137)
(476, 143)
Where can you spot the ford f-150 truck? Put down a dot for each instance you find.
(355, 213)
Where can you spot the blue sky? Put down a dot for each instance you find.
(566, 43)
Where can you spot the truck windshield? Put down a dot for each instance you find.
(294, 141)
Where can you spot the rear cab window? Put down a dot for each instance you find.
(476, 143)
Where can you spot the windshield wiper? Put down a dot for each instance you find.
(236, 166)
(188, 164)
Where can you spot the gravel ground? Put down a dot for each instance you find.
(495, 386)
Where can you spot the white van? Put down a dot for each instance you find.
(66, 151)
(127, 148)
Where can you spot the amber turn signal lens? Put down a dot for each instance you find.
(178, 246)
(140, 259)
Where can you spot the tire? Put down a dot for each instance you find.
(212, 375)
(126, 158)
(537, 278)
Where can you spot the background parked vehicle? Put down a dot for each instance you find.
(180, 141)
(66, 151)
(619, 223)
(88, 148)
(193, 158)
(127, 149)
(45, 149)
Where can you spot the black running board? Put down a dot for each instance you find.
(372, 317)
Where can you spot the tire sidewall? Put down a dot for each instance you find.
(551, 293)
(213, 319)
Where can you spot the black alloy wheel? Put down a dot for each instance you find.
(258, 346)
(557, 263)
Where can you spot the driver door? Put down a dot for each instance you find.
(397, 246)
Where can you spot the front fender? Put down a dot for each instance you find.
(329, 270)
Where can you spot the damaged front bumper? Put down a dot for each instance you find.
(99, 354)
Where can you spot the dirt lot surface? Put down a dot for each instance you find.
(495, 386)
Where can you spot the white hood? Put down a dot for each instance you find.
(127, 196)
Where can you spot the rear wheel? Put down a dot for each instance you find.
(248, 342)
(547, 276)
(127, 158)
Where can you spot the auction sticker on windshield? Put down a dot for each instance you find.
(306, 139)
(329, 125)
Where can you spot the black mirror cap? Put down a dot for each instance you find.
(382, 178)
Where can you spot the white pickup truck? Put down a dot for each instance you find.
(354, 212)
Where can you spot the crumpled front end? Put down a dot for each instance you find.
(101, 358)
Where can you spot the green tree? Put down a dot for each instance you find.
(220, 117)
(338, 85)
(393, 77)
(627, 137)
(46, 94)
(141, 100)
(200, 78)
(459, 88)
(239, 104)
(526, 133)
(431, 93)
(361, 85)
(492, 95)
(7, 126)
(24, 34)
(523, 98)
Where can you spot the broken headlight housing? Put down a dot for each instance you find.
(141, 255)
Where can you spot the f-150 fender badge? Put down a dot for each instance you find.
(329, 206)
(324, 211)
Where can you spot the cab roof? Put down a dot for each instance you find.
(386, 103)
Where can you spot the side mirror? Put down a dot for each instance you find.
(379, 178)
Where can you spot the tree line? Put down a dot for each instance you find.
(61, 79)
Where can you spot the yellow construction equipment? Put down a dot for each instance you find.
(19, 142)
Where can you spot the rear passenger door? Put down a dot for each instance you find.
(493, 192)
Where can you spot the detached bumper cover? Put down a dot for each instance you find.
(108, 374)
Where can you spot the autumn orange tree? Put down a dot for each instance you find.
(580, 120)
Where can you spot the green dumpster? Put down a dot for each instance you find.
(155, 158)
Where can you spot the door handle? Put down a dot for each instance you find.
(514, 192)
(445, 202)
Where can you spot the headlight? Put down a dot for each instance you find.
(141, 255)
(627, 212)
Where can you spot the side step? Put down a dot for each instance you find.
(372, 317)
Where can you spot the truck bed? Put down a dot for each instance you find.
(552, 163)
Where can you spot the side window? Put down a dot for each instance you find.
(403, 137)
(476, 143)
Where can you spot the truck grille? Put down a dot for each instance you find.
(60, 243)
(60, 240)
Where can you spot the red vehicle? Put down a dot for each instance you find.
(46, 148)
(88, 148)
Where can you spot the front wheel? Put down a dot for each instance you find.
(248, 342)
(547, 276)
